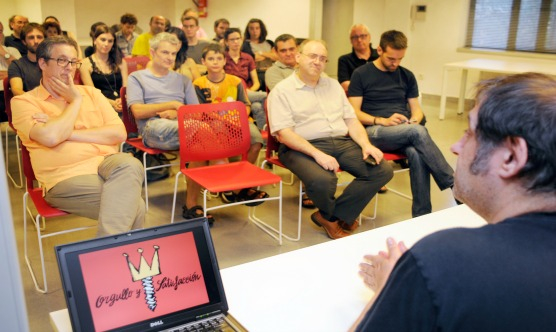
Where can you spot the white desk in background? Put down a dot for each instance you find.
(315, 288)
(493, 66)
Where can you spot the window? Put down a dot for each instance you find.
(513, 25)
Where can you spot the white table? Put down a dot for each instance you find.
(318, 288)
(291, 292)
(493, 66)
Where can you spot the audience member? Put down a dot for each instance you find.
(156, 93)
(17, 22)
(105, 69)
(217, 87)
(259, 48)
(89, 50)
(243, 66)
(167, 24)
(184, 65)
(52, 29)
(7, 55)
(125, 38)
(195, 45)
(220, 27)
(286, 51)
(381, 93)
(496, 277)
(115, 28)
(25, 74)
(362, 52)
(53, 19)
(49, 19)
(201, 34)
(141, 45)
(319, 131)
(72, 134)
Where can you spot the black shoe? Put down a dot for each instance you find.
(193, 213)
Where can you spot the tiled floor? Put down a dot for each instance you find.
(237, 240)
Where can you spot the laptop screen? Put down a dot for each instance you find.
(145, 280)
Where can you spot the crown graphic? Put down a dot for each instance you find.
(144, 270)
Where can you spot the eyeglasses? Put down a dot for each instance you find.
(314, 57)
(355, 37)
(64, 62)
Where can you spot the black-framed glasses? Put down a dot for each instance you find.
(355, 37)
(314, 57)
(62, 62)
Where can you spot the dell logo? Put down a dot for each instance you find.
(157, 323)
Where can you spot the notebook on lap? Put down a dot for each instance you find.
(163, 278)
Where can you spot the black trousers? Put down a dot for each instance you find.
(321, 184)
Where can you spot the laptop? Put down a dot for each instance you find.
(163, 278)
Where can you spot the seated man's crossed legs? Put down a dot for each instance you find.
(337, 215)
(424, 157)
(113, 196)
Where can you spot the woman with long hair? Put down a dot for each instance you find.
(242, 65)
(184, 65)
(105, 69)
(259, 47)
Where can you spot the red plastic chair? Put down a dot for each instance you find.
(43, 211)
(77, 78)
(8, 95)
(390, 156)
(137, 142)
(216, 131)
(136, 63)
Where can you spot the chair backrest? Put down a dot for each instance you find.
(27, 167)
(127, 116)
(136, 63)
(8, 95)
(213, 131)
(77, 78)
(272, 144)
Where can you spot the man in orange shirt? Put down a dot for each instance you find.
(72, 134)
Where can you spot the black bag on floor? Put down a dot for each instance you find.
(155, 160)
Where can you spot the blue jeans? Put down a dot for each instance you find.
(257, 99)
(161, 134)
(321, 184)
(425, 159)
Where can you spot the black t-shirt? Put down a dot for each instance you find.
(17, 43)
(384, 93)
(347, 63)
(499, 277)
(29, 72)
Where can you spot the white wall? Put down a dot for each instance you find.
(337, 20)
(432, 42)
(284, 16)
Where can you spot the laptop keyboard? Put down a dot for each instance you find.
(212, 324)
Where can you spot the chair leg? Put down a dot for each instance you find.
(275, 233)
(176, 182)
(145, 181)
(26, 251)
(10, 176)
